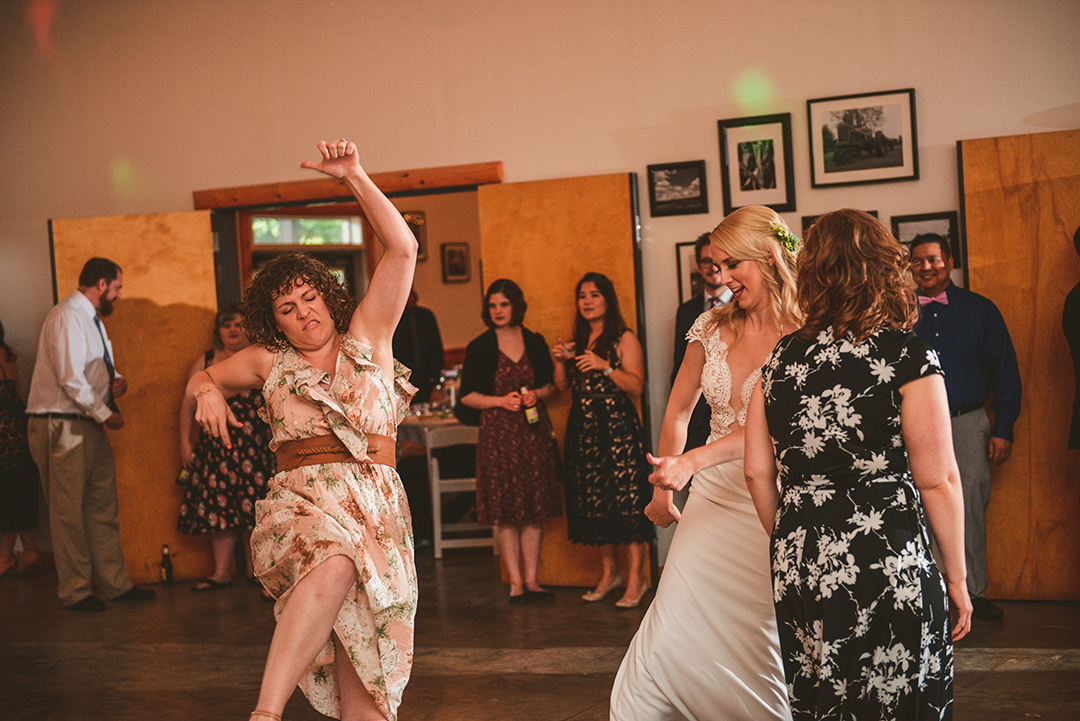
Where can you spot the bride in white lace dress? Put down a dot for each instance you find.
(708, 646)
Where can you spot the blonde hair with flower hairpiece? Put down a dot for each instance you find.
(750, 234)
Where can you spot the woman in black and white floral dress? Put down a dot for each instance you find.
(852, 413)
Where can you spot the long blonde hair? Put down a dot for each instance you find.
(747, 234)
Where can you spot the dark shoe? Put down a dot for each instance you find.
(137, 594)
(209, 584)
(539, 595)
(90, 603)
(253, 581)
(520, 598)
(985, 610)
(30, 562)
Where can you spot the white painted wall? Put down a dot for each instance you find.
(129, 106)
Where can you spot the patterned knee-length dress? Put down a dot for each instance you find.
(357, 510)
(607, 475)
(517, 482)
(862, 610)
(225, 483)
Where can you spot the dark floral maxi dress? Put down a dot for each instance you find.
(607, 476)
(862, 610)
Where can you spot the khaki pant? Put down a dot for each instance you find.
(78, 475)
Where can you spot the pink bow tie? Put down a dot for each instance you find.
(939, 298)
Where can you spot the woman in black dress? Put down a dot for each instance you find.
(607, 476)
(223, 484)
(517, 485)
(18, 474)
(852, 411)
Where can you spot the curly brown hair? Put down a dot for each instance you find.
(852, 273)
(280, 276)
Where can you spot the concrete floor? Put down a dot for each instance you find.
(199, 656)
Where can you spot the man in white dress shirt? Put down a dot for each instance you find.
(71, 402)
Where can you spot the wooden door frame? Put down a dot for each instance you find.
(330, 194)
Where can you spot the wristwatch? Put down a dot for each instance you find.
(608, 371)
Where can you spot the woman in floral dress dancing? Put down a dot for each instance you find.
(333, 539)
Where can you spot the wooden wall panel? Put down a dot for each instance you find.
(164, 320)
(1022, 205)
(545, 235)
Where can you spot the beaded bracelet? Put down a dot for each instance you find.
(205, 390)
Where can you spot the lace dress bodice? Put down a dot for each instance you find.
(716, 379)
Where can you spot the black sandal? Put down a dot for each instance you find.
(209, 584)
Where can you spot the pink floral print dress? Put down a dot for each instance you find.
(357, 510)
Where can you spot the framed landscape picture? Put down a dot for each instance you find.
(945, 224)
(867, 138)
(755, 162)
(678, 188)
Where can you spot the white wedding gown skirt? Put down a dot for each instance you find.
(708, 648)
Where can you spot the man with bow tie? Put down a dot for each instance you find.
(72, 401)
(978, 358)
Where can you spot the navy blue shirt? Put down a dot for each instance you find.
(976, 353)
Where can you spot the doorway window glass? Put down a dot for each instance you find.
(283, 230)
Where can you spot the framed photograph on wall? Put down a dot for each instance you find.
(808, 220)
(945, 224)
(418, 225)
(867, 138)
(755, 162)
(678, 188)
(690, 281)
(455, 262)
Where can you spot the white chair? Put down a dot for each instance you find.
(443, 437)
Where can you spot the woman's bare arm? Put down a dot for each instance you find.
(927, 429)
(759, 463)
(378, 313)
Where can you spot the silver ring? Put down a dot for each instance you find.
(343, 140)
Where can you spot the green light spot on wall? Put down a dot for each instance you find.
(123, 177)
(753, 90)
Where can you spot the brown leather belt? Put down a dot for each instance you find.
(329, 449)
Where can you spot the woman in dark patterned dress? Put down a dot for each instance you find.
(517, 485)
(18, 474)
(607, 476)
(223, 484)
(852, 415)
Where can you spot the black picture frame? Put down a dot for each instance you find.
(677, 188)
(808, 220)
(690, 281)
(864, 138)
(456, 266)
(417, 221)
(945, 223)
(756, 162)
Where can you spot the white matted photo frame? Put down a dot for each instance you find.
(455, 262)
(690, 281)
(865, 138)
(755, 162)
(678, 188)
(946, 224)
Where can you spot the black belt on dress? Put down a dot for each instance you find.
(63, 416)
(962, 411)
